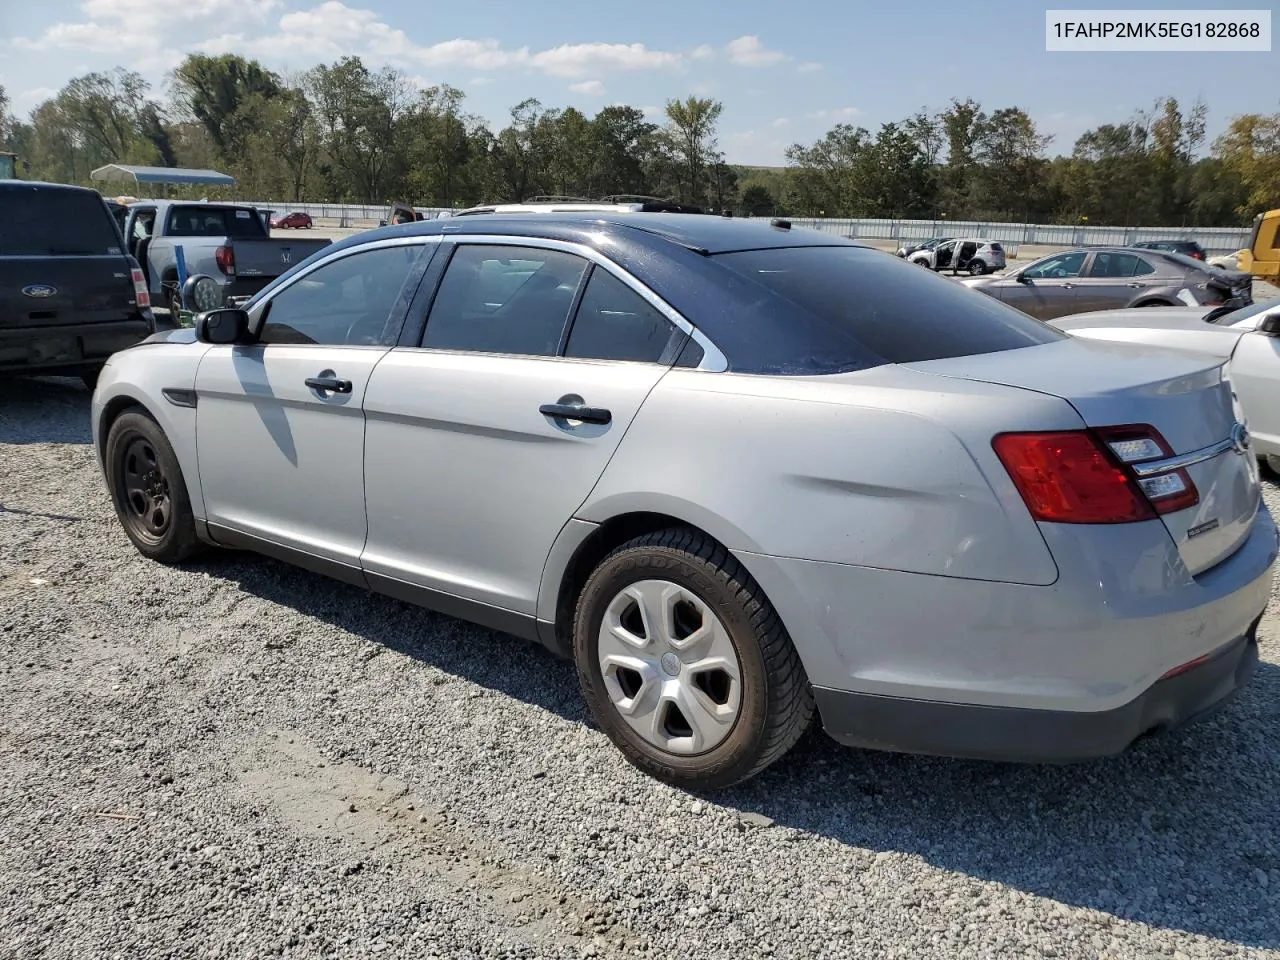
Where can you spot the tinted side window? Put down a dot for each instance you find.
(345, 302)
(1063, 265)
(861, 300)
(495, 299)
(615, 323)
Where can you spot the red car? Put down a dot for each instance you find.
(293, 221)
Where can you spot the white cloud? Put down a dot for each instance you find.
(577, 59)
(28, 100)
(703, 51)
(839, 114)
(131, 29)
(652, 111)
(748, 51)
(592, 88)
(481, 81)
(780, 123)
(809, 67)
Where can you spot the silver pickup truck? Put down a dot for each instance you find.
(226, 241)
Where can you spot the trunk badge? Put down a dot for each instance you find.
(1239, 438)
(39, 290)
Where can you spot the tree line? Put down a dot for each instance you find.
(347, 132)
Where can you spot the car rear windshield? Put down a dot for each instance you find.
(47, 221)
(866, 301)
(996, 247)
(237, 223)
(1182, 260)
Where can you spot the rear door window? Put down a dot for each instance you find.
(614, 322)
(861, 300)
(497, 299)
(47, 221)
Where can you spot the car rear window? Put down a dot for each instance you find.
(1182, 260)
(865, 301)
(997, 248)
(238, 223)
(46, 221)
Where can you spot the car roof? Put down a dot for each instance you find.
(42, 185)
(700, 232)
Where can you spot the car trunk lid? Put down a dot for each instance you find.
(1186, 398)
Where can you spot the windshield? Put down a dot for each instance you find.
(45, 221)
(1225, 319)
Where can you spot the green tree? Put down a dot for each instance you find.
(757, 201)
(1250, 150)
(691, 136)
(213, 91)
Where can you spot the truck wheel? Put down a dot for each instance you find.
(685, 664)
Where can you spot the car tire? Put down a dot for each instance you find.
(977, 268)
(1272, 463)
(639, 692)
(148, 490)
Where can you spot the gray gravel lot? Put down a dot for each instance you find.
(241, 759)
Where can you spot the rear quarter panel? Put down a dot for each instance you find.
(879, 468)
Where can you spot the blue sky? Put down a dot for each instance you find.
(786, 72)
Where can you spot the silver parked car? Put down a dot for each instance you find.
(1107, 278)
(974, 256)
(1247, 340)
(737, 472)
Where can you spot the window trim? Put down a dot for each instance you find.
(257, 316)
(713, 360)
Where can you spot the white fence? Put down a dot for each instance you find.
(1214, 239)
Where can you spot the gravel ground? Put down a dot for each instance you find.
(241, 759)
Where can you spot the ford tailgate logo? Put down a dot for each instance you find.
(39, 290)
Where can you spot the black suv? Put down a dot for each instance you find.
(69, 294)
(1188, 248)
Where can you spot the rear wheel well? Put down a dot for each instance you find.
(610, 535)
(1155, 302)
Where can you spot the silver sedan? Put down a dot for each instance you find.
(740, 473)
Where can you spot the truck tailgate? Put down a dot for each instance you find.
(271, 257)
(50, 291)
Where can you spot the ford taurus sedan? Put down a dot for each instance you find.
(739, 473)
(1109, 278)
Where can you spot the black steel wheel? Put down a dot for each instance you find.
(148, 489)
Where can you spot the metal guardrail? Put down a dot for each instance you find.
(1216, 240)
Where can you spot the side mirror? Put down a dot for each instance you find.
(201, 293)
(1270, 326)
(1022, 278)
(225, 326)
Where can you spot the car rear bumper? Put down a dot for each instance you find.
(899, 659)
(979, 732)
(70, 347)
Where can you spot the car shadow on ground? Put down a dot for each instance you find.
(1178, 833)
(44, 410)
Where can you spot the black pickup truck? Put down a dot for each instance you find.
(69, 294)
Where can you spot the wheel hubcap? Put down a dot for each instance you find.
(146, 489)
(669, 667)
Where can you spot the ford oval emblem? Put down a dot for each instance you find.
(1239, 438)
(39, 290)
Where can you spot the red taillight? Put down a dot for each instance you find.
(1185, 667)
(1139, 443)
(1088, 476)
(1068, 477)
(141, 295)
(226, 260)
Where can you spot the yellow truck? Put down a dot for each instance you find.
(1262, 257)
